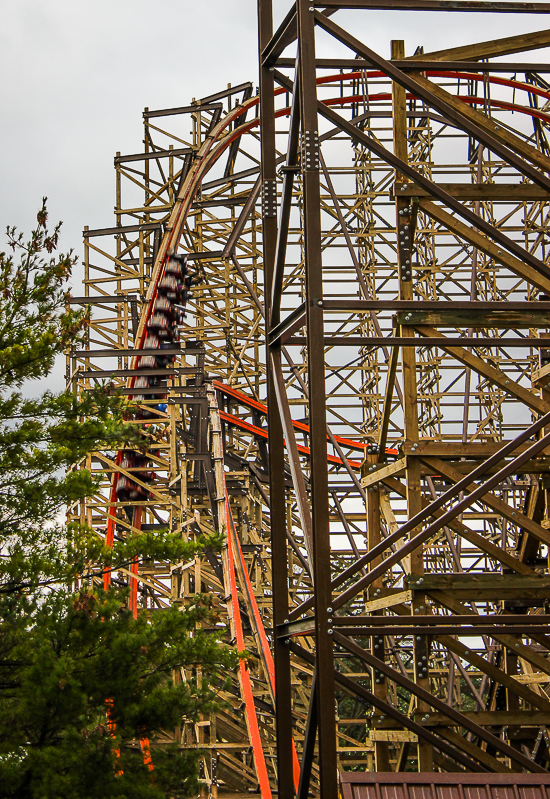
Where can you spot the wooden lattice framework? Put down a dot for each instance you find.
(390, 223)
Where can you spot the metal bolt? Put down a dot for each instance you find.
(403, 188)
(329, 610)
(330, 632)
(320, 303)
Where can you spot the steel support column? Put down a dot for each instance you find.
(281, 653)
(324, 669)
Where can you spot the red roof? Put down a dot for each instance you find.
(460, 785)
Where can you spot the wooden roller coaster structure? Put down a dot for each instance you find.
(330, 299)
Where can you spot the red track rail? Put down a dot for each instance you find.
(261, 433)
(213, 149)
(234, 550)
(248, 402)
(246, 684)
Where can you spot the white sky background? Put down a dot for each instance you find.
(76, 76)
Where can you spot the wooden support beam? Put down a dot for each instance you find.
(377, 474)
(490, 49)
(498, 131)
(483, 243)
(513, 515)
(478, 540)
(494, 672)
(496, 192)
(495, 376)
(512, 642)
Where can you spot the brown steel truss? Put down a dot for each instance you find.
(407, 311)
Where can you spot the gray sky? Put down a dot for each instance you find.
(77, 75)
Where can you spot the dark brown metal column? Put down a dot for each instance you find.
(281, 652)
(317, 404)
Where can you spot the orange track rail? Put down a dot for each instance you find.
(259, 431)
(268, 657)
(252, 719)
(259, 406)
(208, 158)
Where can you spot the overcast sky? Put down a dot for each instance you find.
(76, 76)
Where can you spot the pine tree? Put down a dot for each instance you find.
(81, 681)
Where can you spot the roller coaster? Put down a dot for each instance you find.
(329, 300)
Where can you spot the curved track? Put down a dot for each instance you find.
(201, 408)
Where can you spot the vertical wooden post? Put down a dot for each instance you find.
(379, 687)
(405, 232)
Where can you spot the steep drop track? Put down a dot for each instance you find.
(178, 324)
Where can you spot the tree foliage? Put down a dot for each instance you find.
(81, 681)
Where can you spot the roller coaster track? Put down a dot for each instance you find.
(178, 324)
